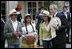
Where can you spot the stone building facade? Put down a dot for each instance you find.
(27, 6)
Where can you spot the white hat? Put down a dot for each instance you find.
(13, 11)
(27, 15)
(45, 13)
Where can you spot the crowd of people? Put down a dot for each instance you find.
(49, 30)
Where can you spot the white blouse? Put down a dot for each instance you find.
(30, 32)
(29, 28)
(47, 28)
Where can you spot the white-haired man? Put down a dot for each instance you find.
(60, 40)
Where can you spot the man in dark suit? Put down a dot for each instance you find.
(2, 35)
(60, 40)
(67, 15)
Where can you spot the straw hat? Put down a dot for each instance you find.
(27, 15)
(46, 13)
(13, 11)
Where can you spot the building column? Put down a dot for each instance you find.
(36, 6)
(9, 6)
(26, 6)
(42, 3)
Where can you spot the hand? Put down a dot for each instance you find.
(54, 26)
(16, 33)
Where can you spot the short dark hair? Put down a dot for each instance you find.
(16, 9)
(42, 8)
(65, 7)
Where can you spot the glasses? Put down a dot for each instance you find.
(14, 15)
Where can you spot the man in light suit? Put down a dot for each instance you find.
(60, 40)
(12, 30)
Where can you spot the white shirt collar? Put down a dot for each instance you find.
(14, 21)
(47, 27)
(65, 12)
(55, 14)
(2, 20)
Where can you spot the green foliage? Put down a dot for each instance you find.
(48, 3)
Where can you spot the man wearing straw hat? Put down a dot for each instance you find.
(12, 30)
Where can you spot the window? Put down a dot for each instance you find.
(32, 7)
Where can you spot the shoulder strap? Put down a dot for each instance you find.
(26, 29)
(32, 28)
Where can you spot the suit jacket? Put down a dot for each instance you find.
(9, 32)
(61, 34)
(19, 17)
(40, 19)
(68, 17)
(1, 30)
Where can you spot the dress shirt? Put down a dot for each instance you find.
(65, 13)
(55, 14)
(14, 23)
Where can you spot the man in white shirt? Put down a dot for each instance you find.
(14, 23)
(12, 30)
